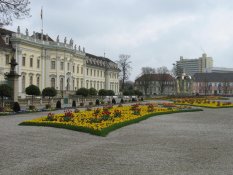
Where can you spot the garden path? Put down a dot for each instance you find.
(181, 143)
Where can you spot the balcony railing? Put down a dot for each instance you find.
(46, 43)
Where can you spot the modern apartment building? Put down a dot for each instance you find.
(192, 66)
(219, 70)
(45, 62)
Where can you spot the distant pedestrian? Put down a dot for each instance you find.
(97, 102)
(113, 101)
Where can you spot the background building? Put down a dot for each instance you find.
(155, 84)
(183, 84)
(213, 83)
(219, 70)
(101, 73)
(48, 63)
(192, 66)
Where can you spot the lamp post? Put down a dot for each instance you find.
(174, 71)
(12, 78)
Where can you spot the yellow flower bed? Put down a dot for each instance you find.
(102, 121)
(203, 103)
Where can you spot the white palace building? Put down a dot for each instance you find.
(48, 63)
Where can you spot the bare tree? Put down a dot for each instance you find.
(148, 70)
(162, 78)
(147, 78)
(129, 85)
(13, 9)
(174, 70)
(124, 66)
(205, 85)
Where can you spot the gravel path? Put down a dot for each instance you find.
(183, 143)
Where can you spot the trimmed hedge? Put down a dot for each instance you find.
(104, 132)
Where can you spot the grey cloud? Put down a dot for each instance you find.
(158, 31)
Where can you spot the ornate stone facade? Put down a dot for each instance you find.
(48, 63)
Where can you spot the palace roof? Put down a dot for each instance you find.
(213, 77)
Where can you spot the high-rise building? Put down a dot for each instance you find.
(192, 66)
(219, 70)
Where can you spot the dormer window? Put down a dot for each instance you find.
(7, 40)
(7, 59)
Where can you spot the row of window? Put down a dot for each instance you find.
(30, 81)
(53, 64)
(156, 90)
(114, 87)
(155, 82)
(100, 73)
(100, 85)
(67, 86)
(79, 83)
(79, 69)
(215, 84)
(114, 75)
(95, 73)
(52, 83)
(216, 91)
(30, 62)
(93, 84)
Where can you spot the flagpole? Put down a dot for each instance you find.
(41, 15)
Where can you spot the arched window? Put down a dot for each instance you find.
(73, 85)
(23, 83)
(82, 83)
(68, 84)
(115, 87)
(53, 82)
(61, 84)
(31, 62)
(87, 84)
(38, 81)
(31, 80)
(77, 83)
(7, 40)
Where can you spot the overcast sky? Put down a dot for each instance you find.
(154, 32)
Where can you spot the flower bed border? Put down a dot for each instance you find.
(26, 112)
(104, 132)
(217, 107)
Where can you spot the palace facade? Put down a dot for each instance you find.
(48, 63)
